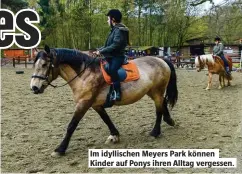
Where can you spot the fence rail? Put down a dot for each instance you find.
(16, 60)
(189, 60)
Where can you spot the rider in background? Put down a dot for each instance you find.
(114, 49)
(218, 51)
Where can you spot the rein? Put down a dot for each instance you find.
(52, 65)
(86, 66)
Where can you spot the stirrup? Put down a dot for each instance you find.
(113, 95)
(228, 73)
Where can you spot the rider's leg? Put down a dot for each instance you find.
(114, 66)
(226, 65)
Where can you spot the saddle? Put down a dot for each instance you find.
(128, 72)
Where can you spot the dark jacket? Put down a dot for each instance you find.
(116, 42)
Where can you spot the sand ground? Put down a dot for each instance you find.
(33, 125)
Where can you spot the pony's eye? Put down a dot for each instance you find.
(44, 65)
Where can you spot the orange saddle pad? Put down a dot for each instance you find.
(130, 68)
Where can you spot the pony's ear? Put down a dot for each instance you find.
(47, 49)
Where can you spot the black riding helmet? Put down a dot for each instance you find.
(116, 14)
(217, 38)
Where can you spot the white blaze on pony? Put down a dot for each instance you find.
(39, 83)
(215, 65)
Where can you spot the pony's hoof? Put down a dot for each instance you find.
(155, 133)
(112, 139)
(170, 122)
(207, 89)
(220, 87)
(56, 154)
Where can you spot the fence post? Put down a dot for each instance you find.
(14, 62)
(25, 62)
(240, 59)
(178, 59)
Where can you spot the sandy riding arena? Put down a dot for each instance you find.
(33, 125)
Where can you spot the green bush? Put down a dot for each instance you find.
(236, 65)
(2, 54)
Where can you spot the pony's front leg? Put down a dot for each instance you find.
(223, 81)
(220, 81)
(114, 134)
(81, 109)
(209, 81)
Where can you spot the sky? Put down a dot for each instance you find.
(207, 4)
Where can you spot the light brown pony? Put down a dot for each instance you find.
(82, 73)
(215, 65)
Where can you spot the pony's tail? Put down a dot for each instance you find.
(171, 91)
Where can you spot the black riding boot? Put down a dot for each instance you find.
(117, 88)
(227, 70)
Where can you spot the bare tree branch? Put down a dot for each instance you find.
(195, 3)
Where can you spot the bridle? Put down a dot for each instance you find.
(51, 69)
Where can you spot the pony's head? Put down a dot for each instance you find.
(200, 63)
(45, 70)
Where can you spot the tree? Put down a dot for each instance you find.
(82, 24)
(14, 5)
(226, 22)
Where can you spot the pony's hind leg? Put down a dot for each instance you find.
(229, 79)
(158, 105)
(114, 134)
(166, 115)
(229, 83)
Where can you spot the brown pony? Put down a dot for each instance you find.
(82, 73)
(215, 65)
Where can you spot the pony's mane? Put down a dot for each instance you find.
(71, 56)
(208, 57)
(74, 58)
(204, 57)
